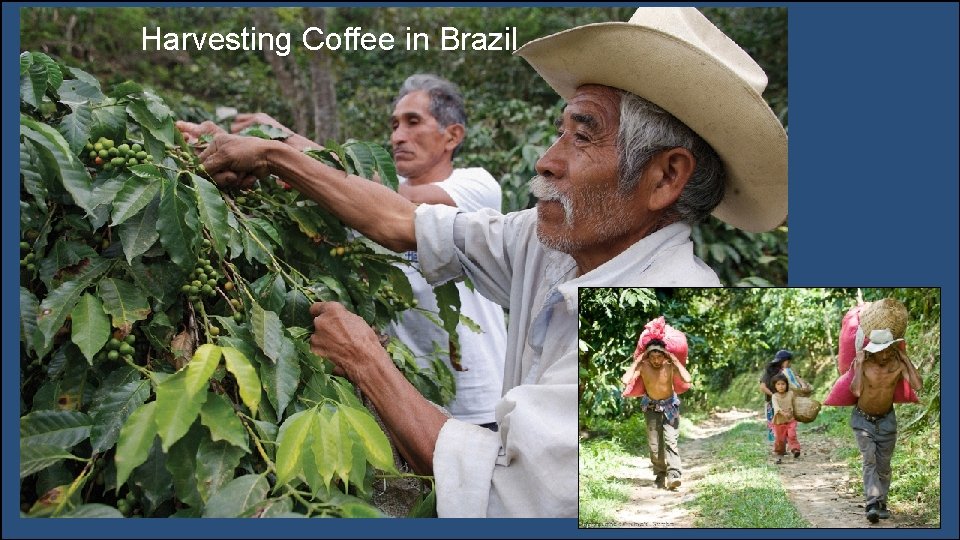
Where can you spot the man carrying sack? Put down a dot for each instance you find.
(657, 375)
(878, 369)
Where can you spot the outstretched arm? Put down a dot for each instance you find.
(369, 207)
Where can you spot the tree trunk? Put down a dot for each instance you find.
(286, 72)
(323, 82)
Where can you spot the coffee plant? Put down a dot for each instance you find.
(164, 363)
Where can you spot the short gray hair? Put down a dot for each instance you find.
(645, 130)
(446, 101)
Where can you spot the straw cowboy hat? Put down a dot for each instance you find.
(677, 59)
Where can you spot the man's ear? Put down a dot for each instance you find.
(671, 170)
(455, 134)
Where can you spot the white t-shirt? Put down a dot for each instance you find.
(480, 384)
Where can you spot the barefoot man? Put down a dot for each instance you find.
(879, 368)
(661, 409)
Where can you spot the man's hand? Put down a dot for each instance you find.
(234, 161)
(345, 339)
(244, 120)
(192, 132)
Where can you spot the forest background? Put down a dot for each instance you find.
(342, 95)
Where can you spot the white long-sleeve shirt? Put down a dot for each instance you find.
(529, 467)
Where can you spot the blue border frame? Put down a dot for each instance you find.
(874, 191)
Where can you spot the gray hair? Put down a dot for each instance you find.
(446, 101)
(645, 130)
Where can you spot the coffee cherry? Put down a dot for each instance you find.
(136, 147)
(130, 339)
(113, 355)
(113, 344)
(214, 330)
(228, 286)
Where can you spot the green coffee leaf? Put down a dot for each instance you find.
(205, 361)
(219, 417)
(136, 438)
(63, 429)
(375, 443)
(246, 375)
(291, 442)
(90, 327)
(216, 465)
(213, 213)
(177, 408)
(111, 407)
(132, 198)
(124, 302)
(237, 497)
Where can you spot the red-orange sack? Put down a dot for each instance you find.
(676, 343)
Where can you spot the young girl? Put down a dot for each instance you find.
(784, 424)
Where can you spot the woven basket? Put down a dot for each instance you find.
(886, 313)
(803, 391)
(805, 409)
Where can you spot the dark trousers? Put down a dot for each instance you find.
(662, 437)
(877, 439)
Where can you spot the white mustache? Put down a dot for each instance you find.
(543, 190)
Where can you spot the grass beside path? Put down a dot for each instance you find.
(742, 489)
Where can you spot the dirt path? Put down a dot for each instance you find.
(816, 483)
(650, 506)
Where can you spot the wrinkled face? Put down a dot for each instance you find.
(578, 201)
(417, 139)
(656, 358)
(781, 386)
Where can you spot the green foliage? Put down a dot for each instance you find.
(158, 312)
(600, 490)
(733, 333)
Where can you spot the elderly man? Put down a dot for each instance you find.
(664, 123)
(428, 125)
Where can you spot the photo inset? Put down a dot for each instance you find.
(759, 408)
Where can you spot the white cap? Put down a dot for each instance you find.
(880, 340)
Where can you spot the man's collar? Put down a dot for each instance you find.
(623, 269)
